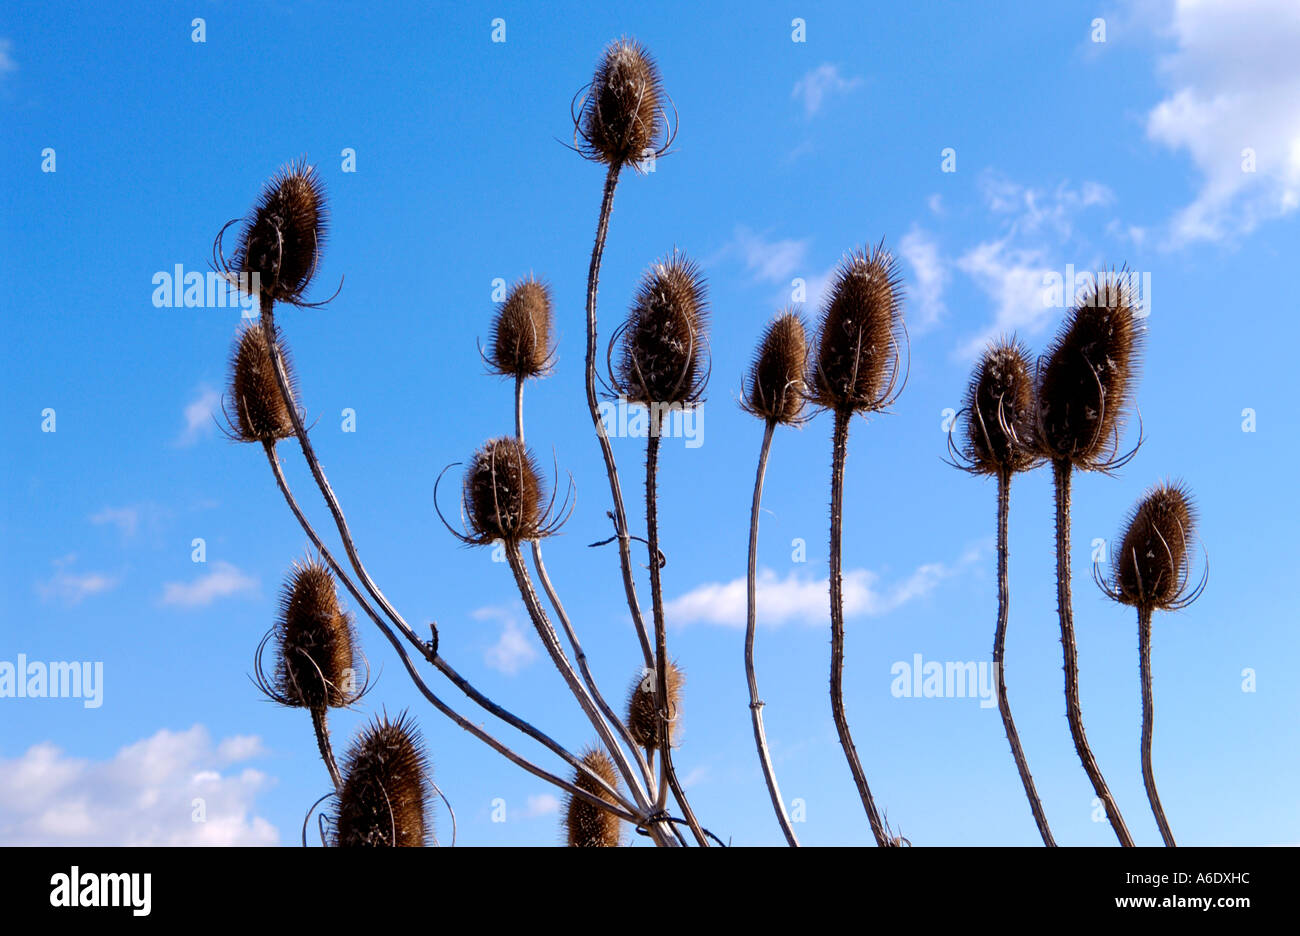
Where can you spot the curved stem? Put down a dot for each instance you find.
(606, 450)
(1148, 725)
(751, 625)
(839, 453)
(1061, 475)
(318, 722)
(661, 640)
(999, 665)
(625, 810)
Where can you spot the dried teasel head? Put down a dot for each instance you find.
(255, 409)
(643, 708)
(521, 331)
(1151, 570)
(281, 241)
(775, 387)
(587, 825)
(999, 411)
(621, 120)
(1087, 377)
(663, 344)
(385, 797)
(857, 363)
(502, 492)
(316, 645)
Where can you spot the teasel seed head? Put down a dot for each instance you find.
(857, 362)
(282, 240)
(663, 344)
(587, 825)
(502, 493)
(254, 407)
(643, 708)
(521, 331)
(1151, 570)
(775, 388)
(316, 645)
(999, 411)
(622, 117)
(1087, 377)
(385, 798)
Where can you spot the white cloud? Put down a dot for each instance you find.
(801, 598)
(541, 804)
(514, 649)
(143, 795)
(1235, 84)
(770, 261)
(817, 85)
(71, 587)
(126, 519)
(223, 581)
(931, 276)
(199, 416)
(7, 63)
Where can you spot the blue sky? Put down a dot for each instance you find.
(1068, 151)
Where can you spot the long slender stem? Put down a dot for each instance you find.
(318, 723)
(606, 450)
(839, 453)
(661, 640)
(625, 809)
(999, 664)
(751, 626)
(1061, 474)
(1148, 725)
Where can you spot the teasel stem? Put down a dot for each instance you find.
(666, 768)
(1061, 470)
(572, 635)
(999, 657)
(606, 450)
(318, 722)
(751, 625)
(839, 454)
(625, 810)
(1148, 725)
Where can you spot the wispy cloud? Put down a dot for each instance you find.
(766, 260)
(930, 277)
(7, 63)
(222, 581)
(539, 805)
(1235, 86)
(71, 587)
(814, 88)
(514, 649)
(802, 598)
(199, 416)
(126, 519)
(168, 789)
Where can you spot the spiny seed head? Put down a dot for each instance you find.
(315, 642)
(502, 493)
(664, 342)
(622, 115)
(856, 364)
(1087, 377)
(282, 240)
(775, 389)
(521, 331)
(643, 709)
(586, 825)
(385, 796)
(1000, 411)
(1152, 566)
(255, 408)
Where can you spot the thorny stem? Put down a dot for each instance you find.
(839, 453)
(999, 656)
(1061, 474)
(318, 722)
(751, 625)
(572, 635)
(606, 450)
(661, 642)
(624, 809)
(1148, 725)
